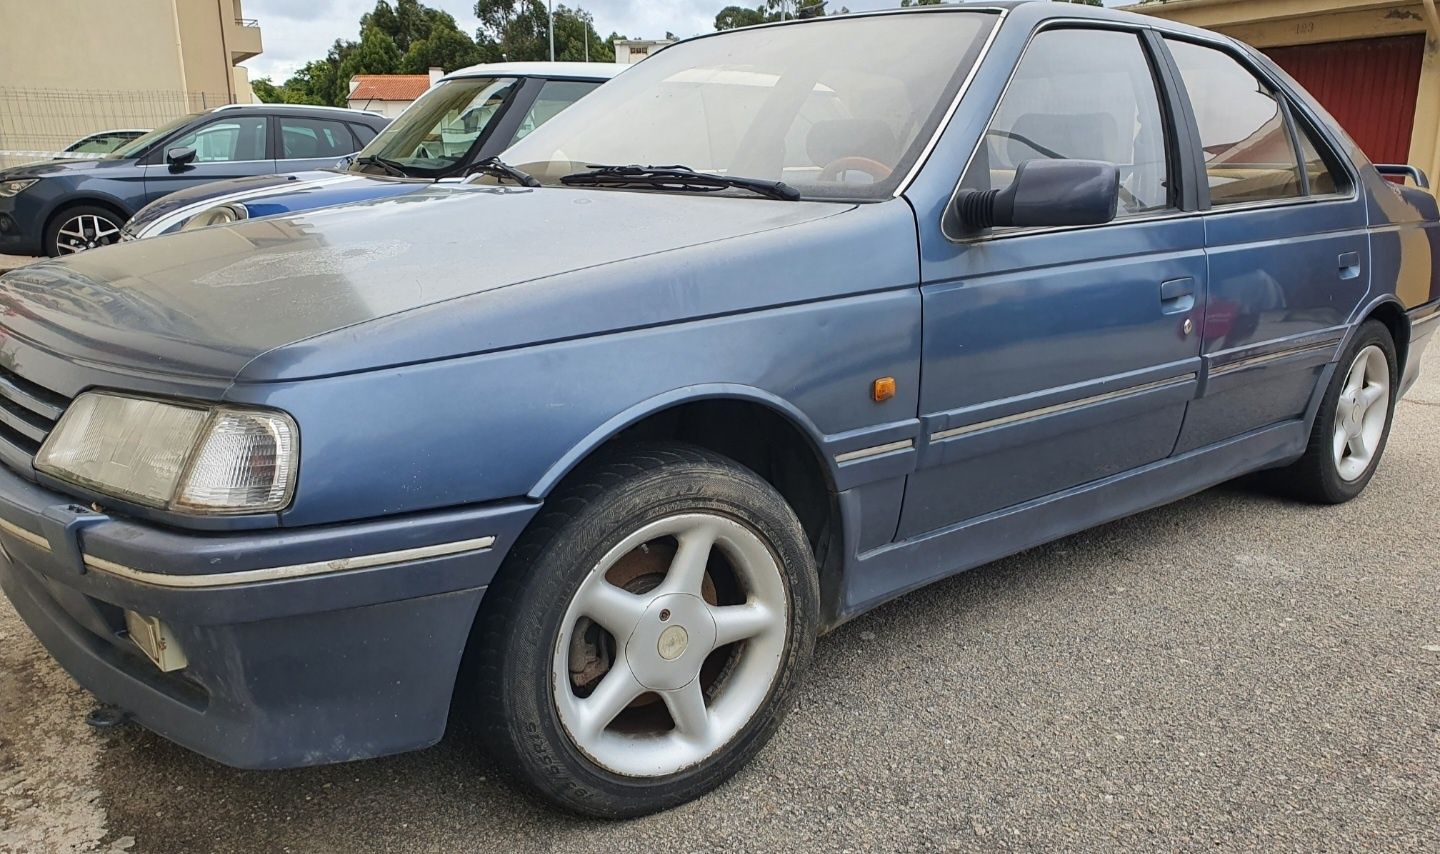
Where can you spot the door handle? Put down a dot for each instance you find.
(1177, 296)
(1349, 265)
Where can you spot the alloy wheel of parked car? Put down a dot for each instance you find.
(649, 635)
(82, 228)
(1363, 411)
(1353, 423)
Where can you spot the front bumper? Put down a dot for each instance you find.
(20, 225)
(350, 651)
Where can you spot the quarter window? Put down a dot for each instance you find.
(1081, 95)
(1244, 135)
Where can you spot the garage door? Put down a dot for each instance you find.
(1369, 85)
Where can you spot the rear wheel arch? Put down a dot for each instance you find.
(1392, 315)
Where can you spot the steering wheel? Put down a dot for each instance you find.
(874, 168)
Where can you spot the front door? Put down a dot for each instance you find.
(1287, 243)
(1056, 357)
(227, 146)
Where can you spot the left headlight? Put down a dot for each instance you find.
(14, 188)
(218, 215)
(177, 456)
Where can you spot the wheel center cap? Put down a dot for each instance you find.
(673, 642)
(668, 646)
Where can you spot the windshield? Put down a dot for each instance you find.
(834, 108)
(437, 133)
(136, 146)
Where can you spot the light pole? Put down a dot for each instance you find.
(550, 4)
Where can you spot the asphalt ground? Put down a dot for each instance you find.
(1232, 672)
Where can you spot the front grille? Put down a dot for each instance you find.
(28, 413)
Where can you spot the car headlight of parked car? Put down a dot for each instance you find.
(14, 188)
(184, 457)
(218, 215)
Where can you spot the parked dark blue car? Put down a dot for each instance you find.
(64, 206)
(604, 455)
(470, 115)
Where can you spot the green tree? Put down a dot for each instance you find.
(267, 92)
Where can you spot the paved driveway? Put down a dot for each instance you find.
(1231, 672)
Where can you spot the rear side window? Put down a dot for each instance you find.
(554, 96)
(1249, 153)
(1081, 95)
(305, 138)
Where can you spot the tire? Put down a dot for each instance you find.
(1327, 476)
(624, 522)
(82, 227)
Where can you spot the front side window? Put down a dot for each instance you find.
(554, 96)
(439, 132)
(305, 138)
(226, 140)
(1244, 135)
(1081, 94)
(836, 108)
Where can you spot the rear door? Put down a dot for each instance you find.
(309, 143)
(228, 145)
(1286, 240)
(1055, 357)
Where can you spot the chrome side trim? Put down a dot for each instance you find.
(1267, 358)
(252, 576)
(954, 104)
(875, 451)
(1430, 318)
(1030, 414)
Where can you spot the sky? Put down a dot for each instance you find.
(297, 31)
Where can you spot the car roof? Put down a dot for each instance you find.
(586, 70)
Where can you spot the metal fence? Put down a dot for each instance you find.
(37, 124)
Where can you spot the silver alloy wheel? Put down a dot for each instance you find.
(87, 231)
(1361, 413)
(663, 639)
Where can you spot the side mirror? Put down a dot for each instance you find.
(178, 157)
(1045, 193)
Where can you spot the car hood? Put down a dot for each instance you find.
(51, 168)
(204, 304)
(266, 195)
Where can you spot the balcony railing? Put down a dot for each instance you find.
(247, 22)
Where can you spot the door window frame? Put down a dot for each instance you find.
(1181, 136)
(1298, 116)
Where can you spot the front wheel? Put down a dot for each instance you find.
(80, 228)
(1353, 423)
(647, 634)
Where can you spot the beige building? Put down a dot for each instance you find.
(631, 51)
(1374, 64)
(73, 67)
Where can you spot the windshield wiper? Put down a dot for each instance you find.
(677, 178)
(391, 167)
(497, 168)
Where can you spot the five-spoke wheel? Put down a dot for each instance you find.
(1352, 423)
(647, 632)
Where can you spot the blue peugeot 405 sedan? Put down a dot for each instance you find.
(776, 326)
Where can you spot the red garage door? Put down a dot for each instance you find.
(1369, 85)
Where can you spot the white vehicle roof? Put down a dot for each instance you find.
(584, 70)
